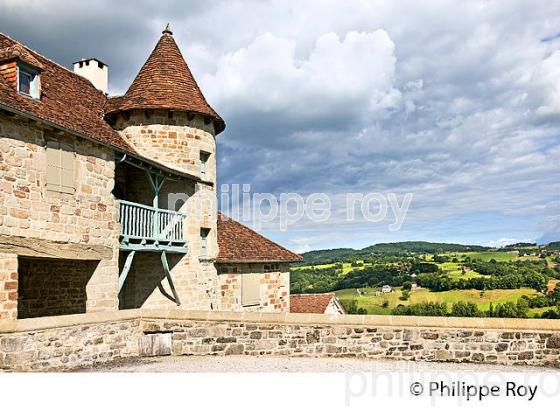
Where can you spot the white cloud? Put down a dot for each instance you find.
(547, 78)
(350, 76)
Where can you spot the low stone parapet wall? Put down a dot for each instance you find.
(73, 341)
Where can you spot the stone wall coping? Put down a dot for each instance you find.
(34, 324)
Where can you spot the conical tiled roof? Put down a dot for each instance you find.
(165, 82)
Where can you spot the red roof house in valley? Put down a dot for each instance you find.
(97, 192)
(324, 303)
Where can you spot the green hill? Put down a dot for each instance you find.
(396, 248)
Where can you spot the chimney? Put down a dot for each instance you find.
(97, 72)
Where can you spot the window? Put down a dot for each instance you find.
(204, 157)
(250, 289)
(204, 242)
(60, 167)
(28, 82)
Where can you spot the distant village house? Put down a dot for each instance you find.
(326, 303)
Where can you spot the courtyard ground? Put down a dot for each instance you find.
(243, 364)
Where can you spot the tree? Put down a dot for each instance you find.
(465, 309)
(536, 281)
(421, 309)
(405, 295)
(407, 285)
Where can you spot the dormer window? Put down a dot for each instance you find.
(28, 81)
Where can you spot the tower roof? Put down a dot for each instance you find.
(165, 82)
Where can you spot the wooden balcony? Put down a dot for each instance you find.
(149, 228)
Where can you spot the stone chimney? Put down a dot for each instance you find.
(97, 72)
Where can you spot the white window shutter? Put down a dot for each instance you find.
(250, 289)
(67, 169)
(60, 167)
(53, 165)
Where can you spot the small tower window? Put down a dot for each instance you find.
(204, 157)
(28, 82)
(204, 232)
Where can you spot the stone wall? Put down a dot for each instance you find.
(49, 287)
(8, 286)
(175, 141)
(29, 210)
(274, 287)
(69, 347)
(418, 344)
(66, 342)
(147, 287)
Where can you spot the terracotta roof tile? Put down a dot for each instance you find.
(165, 81)
(67, 100)
(310, 302)
(17, 51)
(238, 243)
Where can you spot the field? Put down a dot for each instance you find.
(346, 267)
(453, 270)
(373, 304)
(497, 256)
(454, 263)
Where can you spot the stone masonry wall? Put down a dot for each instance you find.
(69, 347)
(274, 287)
(175, 141)
(147, 287)
(67, 342)
(8, 286)
(362, 342)
(49, 287)
(29, 210)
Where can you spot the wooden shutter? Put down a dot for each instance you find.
(250, 289)
(67, 168)
(53, 165)
(60, 167)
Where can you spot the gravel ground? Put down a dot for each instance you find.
(243, 364)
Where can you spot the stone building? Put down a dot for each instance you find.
(109, 203)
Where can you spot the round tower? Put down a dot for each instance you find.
(166, 119)
(165, 116)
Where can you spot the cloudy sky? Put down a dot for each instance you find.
(456, 102)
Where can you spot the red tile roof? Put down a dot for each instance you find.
(310, 302)
(238, 243)
(165, 81)
(18, 52)
(67, 99)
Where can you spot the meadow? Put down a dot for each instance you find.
(372, 301)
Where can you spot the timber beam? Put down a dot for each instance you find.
(44, 248)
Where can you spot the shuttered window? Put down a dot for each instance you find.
(60, 167)
(250, 289)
